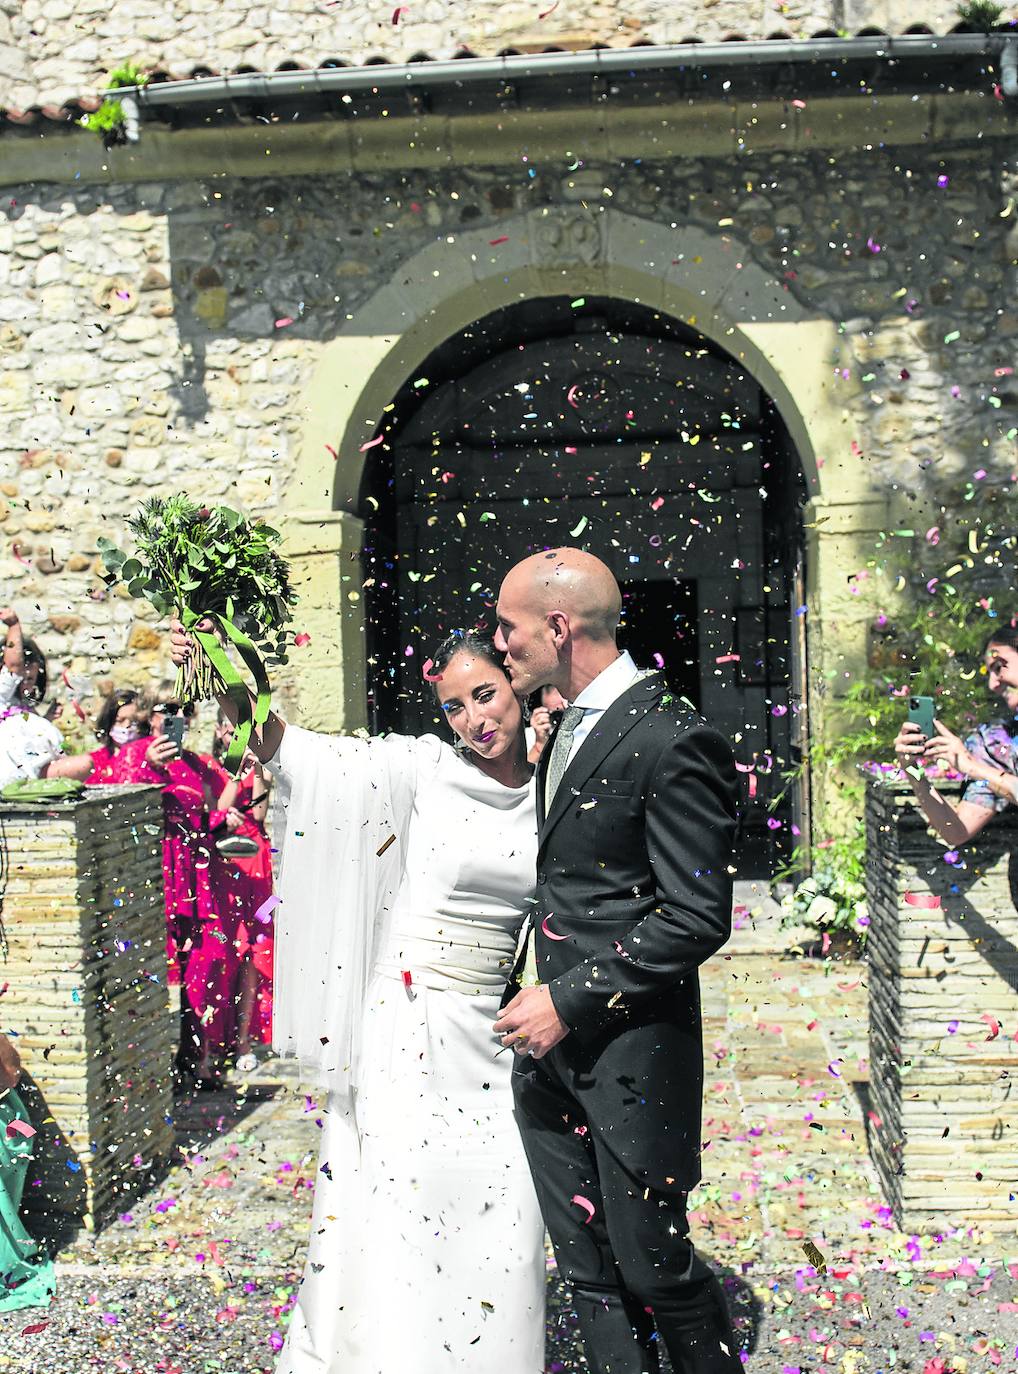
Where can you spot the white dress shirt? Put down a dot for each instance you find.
(602, 692)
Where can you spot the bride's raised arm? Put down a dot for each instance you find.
(265, 739)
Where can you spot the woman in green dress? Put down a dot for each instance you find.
(26, 1274)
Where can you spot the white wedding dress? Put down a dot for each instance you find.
(426, 1253)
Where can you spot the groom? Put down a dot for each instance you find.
(636, 815)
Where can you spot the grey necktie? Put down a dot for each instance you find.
(571, 717)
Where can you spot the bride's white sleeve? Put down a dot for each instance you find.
(344, 810)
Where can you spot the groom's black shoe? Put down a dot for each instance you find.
(618, 1335)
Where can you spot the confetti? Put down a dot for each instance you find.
(926, 901)
(814, 1256)
(301, 639)
(384, 846)
(372, 443)
(550, 934)
(586, 1204)
(19, 1128)
(264, 912)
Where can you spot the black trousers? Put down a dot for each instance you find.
(622, 1247)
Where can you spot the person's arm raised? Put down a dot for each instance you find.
(265, 739)
(955, 824)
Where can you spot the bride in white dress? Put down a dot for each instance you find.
(406, 873)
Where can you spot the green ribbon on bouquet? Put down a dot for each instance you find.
(236, 688)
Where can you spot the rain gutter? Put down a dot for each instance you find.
(166, 96)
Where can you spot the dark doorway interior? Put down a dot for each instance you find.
(659, 628)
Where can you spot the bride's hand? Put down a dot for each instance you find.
(181, 642)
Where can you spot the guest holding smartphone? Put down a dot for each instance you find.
(191, 786)
(988, 757)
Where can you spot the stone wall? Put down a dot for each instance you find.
(85, 994)
(55, 50)
(943, 996)
(159, 336)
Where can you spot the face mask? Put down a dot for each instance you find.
(124, 734)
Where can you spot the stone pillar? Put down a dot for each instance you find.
(840, 538)
(943, 996)
(84, 991)
(327, 679)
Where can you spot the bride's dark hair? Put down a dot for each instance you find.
(465, 641)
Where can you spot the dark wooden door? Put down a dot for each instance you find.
(646, 453)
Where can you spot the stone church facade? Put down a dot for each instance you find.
(721, 318)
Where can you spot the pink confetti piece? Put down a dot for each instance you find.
(20, 556)
(301, 639)
(926, 901)
(798, 104)
(658, 660)
(728, 658)
(281, 324)
(20, 1128)
(587, 1206)
(397, 13)
(571, 396)
(493, 243)
(426, 672)
(547, 12)
(34, 1329)
(335, 455)
(372, 443)
(993, 1024)
(551, 936)
(408, 984)
(264, 912)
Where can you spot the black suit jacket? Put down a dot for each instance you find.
(633, 894)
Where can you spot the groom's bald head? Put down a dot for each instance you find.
(552, 607)
(571, 581)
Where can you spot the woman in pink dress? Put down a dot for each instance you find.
(199, 937)
(242, 881)
(122, 719)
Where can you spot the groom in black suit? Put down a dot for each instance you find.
(636, 813)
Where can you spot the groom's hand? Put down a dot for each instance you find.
(530, 1023)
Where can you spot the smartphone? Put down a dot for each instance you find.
(174, 728)
(921, 712)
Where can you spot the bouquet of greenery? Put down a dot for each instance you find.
(212, 563)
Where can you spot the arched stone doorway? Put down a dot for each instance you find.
(610, 426)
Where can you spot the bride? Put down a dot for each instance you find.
(407, 869)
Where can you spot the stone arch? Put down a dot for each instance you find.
(712, 285)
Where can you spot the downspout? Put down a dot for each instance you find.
(1009, 68)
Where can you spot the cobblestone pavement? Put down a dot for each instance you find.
(199, 1275)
